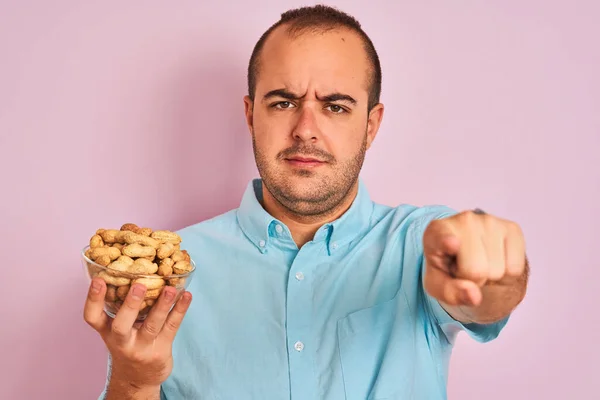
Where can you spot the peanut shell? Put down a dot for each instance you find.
(112, 252)
(103, 260)
(111, 293)
(181, 267)
(166, 236)
(143, 266)
(136, 250)
(132, 238)
(113, 280)
(165, 250)
(122, 292)
(150, 283)
(96, 241)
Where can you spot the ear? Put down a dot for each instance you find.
(373, 123)
(248, 110)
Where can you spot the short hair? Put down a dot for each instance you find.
(316, 19)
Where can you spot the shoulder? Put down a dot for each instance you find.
(409, 216)
(226, 222)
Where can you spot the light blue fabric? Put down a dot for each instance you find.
(343, 318)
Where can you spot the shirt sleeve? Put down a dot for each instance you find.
(438, 315)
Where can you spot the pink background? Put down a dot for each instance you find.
(113, 113)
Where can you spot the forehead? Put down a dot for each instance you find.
(324, 61)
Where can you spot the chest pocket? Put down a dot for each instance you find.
(376, 348)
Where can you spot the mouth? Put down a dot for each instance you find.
(304, 162)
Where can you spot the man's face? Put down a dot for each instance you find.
(309, 120)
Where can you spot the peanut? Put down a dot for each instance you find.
(112, 252)
(145, 231)
(177, 282)
(137, 250)
(118, 246)
(111, 293)
(113, 280)
(143, 305)
(143, 266)
(103, 260)
(150, 283)
(150, 302)
(111, 236)
(166, 267)
(121, 266)
(130, 227)
(165, 250)
(96, 241)
(181, 267)
(166, 236)
(132, 238)
(126, 259)
(153, 293)
(122, 292)
(187, 256)
(178, 256)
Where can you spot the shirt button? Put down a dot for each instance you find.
(262, 243)
(299, 276)
(278, 228)
(299, 346)
(334, 245)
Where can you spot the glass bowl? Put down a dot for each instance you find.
(119, 282)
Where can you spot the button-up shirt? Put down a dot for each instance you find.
(344, 317)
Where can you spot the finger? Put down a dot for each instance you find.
(495, 252)
(93, 310)
(472, 258)
(514, 247)
(441, 244)
(176, 316)
(122, 324)
(454, 292)
(157, 316)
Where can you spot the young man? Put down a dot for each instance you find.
(309, 290)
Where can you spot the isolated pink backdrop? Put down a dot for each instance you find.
(132, 112)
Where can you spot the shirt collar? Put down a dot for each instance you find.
(256, 223)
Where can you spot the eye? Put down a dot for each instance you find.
(334, 108)
(283, 105)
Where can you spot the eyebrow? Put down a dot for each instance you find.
(286, 94)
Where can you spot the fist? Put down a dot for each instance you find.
(468, 250)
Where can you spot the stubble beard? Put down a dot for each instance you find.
(324, 195)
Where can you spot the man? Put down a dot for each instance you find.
(309, 290)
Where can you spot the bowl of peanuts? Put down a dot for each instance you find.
(129, 255)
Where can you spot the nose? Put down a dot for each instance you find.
(306, 128)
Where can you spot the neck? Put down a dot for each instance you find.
(303, 228)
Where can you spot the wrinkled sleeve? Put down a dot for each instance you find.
(438, 315)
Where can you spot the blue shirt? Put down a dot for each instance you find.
(345, 317)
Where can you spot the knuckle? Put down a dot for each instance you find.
(496, 274)
(151, 329)
(91, 321)
(514, 228)
(468, 216)
(118, 330)
(172, 325)
(131, 305)
(137, 357)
